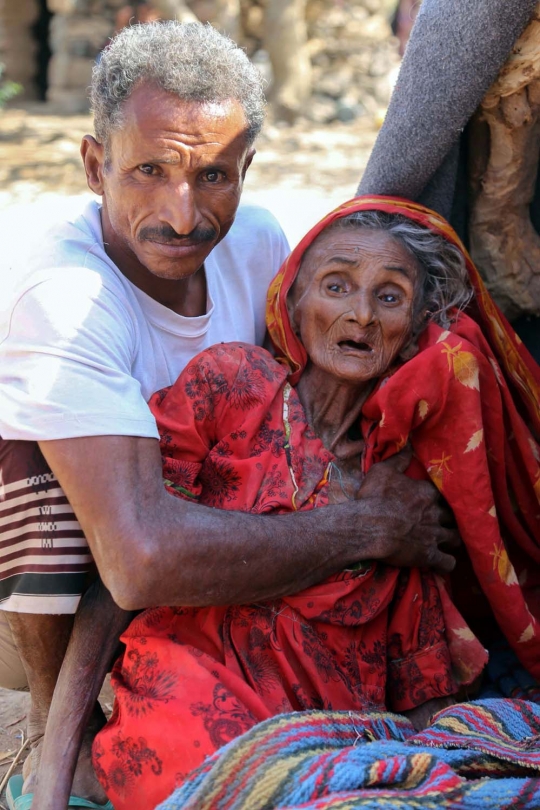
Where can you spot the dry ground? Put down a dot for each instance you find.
(299, 172)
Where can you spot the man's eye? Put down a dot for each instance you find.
(212, 176)
(146, 168)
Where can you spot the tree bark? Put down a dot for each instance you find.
(285, 39)
(504, 156)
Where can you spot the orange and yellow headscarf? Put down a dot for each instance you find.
(520, 369)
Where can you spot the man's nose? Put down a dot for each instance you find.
(362, 309)
(179, 209)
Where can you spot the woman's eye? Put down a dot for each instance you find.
(389, 298)
(334, 287)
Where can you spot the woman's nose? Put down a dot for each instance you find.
(362, 310)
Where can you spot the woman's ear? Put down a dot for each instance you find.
(420, 322)
(292, 301)
(409, 351)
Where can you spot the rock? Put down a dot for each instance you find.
(334, 84)
(69, 72)
(350, 48)
(262, 60)
(347, 112)
(321, 109)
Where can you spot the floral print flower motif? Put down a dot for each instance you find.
(247, 391)
(272, 485)
(131, 756)
(205, 388)
(135, 754)
(179, 474)
(225, 718)
(220, 482)
(145, 682)
(268, 439)
(260, 361)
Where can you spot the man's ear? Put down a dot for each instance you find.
(247, 162)
(93, 155)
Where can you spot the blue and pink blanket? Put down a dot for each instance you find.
(483, 755)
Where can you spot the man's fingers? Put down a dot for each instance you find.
(448, 537)
(444, 563)
(401, 460)
(446, 516)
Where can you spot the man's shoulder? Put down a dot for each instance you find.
(255, 247)
(251, 214)
(68, 256)
(254, 224)
(68, 276)
(69, 242)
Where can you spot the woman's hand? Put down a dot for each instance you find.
(411, 521)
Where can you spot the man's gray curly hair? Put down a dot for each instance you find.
(445, 284)
(191, 60)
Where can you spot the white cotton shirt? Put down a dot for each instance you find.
(82, 349)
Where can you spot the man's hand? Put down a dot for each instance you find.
(413, 517)
(154, 549)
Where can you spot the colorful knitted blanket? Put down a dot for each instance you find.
(474, 756)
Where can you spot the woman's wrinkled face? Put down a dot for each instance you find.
(352, 304)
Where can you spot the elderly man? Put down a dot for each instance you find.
(114, 305)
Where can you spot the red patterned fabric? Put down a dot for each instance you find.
(521, 371)
(469, 403)
(234, 436)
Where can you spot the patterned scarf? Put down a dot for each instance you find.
(467, 403)
(521, 371)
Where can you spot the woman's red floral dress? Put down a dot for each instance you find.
(234, 436)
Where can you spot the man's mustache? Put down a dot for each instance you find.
(167, 235)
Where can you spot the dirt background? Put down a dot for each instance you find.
(300, 172)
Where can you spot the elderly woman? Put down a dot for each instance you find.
(372, 352)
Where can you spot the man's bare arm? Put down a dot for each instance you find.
(152, 548)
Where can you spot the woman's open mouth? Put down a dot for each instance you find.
(355, 346)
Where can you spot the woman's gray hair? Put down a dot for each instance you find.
(191, 60)
(445, 285)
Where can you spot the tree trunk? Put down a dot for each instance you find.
(285, 39)
(228, 18)
(504, 156)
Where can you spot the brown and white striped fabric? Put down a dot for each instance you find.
(44, 557)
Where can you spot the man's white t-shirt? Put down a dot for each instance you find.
(82, 349)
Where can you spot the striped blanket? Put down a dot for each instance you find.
(475, 756)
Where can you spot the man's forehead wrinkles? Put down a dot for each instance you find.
(177, 152)
(174, 138)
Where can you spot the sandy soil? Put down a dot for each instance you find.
(299, 173)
